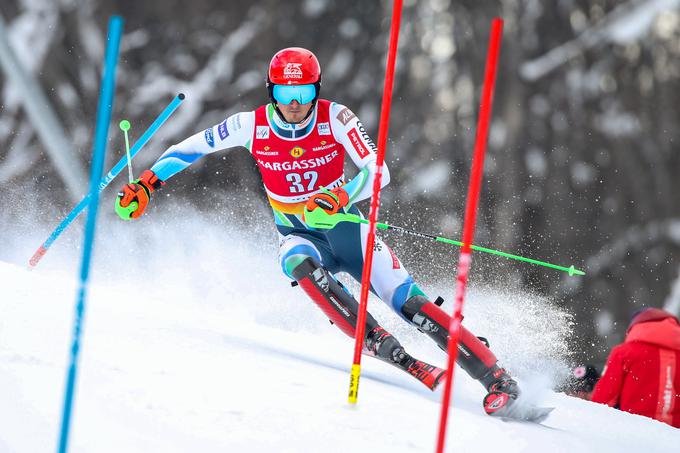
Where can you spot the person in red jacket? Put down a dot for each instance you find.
(642, 375)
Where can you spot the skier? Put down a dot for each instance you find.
(299, 141)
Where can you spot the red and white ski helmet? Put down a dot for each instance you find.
(294, 66)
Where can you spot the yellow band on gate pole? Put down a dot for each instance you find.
(354, 375)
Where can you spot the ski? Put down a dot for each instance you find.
(507, 408)
(382, 345)
(429, 375)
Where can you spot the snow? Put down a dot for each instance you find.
(627, 23)
(194, 342)
(583, 173)
(672, 302)
(631, 26)
(203, 83)
(436, 176)
(616, 123)
(30, 34)
(637, 237)
(536, 162)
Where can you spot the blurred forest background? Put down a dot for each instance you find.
(582, 166)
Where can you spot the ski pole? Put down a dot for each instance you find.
(104, 108)
(165, 114)
(321, 219)
(125, 127)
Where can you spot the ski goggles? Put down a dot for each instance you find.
(285, 94)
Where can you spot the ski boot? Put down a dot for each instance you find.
(341, 308)
(474, 356)
(503, 391)
(382, 345)
(502, 401)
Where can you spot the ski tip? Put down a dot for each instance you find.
(542, 413)
(430, 375)
(532, 414)
(439, 378)
(504, 406)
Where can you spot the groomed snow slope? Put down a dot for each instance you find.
(194, 342)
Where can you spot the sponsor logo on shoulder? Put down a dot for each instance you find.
(209, 139)
(358, 145)
(323, 128)
(292, 71)
(345, 116)
(262, 132)
(222, 130)
(235, 122)
(366, 137)
(324, 146)
(297, 152)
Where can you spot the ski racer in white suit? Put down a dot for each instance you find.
(299, 142)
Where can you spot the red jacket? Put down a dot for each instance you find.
(642, 375)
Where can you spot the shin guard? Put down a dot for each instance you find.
(330, 296)
(341, 308)
(473, 355)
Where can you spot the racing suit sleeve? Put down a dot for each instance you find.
(348, 131)
(237, 130)
(608, 388)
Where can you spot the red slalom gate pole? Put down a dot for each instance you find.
(355, 372)
(474, 186)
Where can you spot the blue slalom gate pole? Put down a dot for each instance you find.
(75, 212)
(99, 151)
